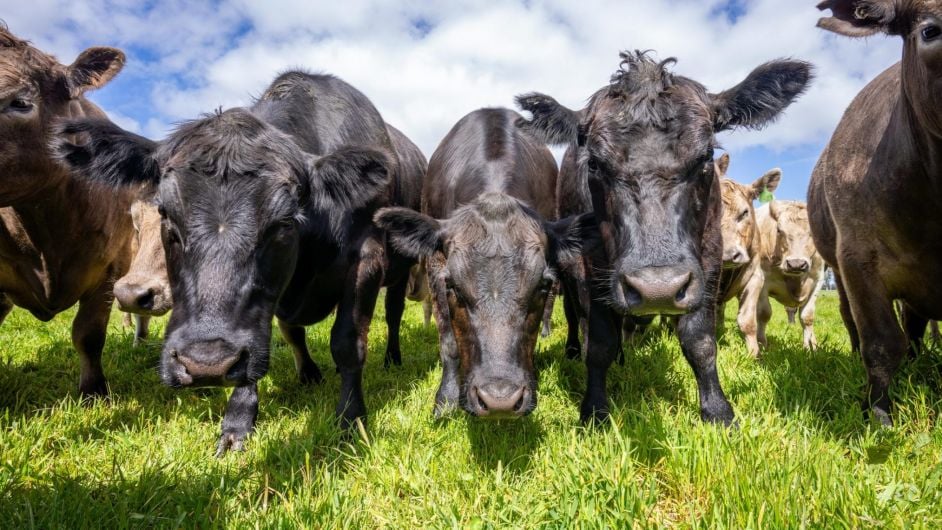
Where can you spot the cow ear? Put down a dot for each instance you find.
(762, 96)
(93, 68)
(550, 122)
(859, 18)
(348, 178)
(413, 234)
(722, 165)
(768, 182)
(99, 150)
(570, 238)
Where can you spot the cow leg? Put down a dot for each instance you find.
(720, 318)
(748, 309)
(548, 311)
(790, 312)
(427, 311)
(88, 336)
(573, 346)
(603, 340)
(846, 314)
(806, 314)
(882, 342)
(395, 305)
(239, 421)
(915, 327)
(763, 315)
(308, 371)
(5, 307)
(349, 335)
(141, 328)
(448, 395)
(698, 342)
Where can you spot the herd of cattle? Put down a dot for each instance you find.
(306, 204)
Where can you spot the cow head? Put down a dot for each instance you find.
(35, 91)
(145, 289)
(233, 193)
(919, 23)
(740, 232)
(646, 144)
(498, 262)
(794, 251)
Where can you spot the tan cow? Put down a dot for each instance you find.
(63, 240)
(742, 277)
(793, 268)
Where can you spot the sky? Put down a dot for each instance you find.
(425, 64)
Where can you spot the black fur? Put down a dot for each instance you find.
(551, 122)
(412, 233)
(763, 95)
(106, 153)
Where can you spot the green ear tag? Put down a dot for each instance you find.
(766, 196)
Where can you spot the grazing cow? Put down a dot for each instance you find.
(145, 289)
(62, 241)
(792, 267)
(742, 276)
(266, 211)
(492, 258)
(875, 196)
(642, 160)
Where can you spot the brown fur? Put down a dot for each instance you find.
(60, 242)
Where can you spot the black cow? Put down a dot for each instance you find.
(641, 158)
(492, 258)
(267, 211)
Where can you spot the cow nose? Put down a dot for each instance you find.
(658, 290)
(132, 296)
(797, 265)
(500, 397)
(734, 256)
(208, 359)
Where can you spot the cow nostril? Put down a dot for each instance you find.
(146, 300)
(632, 295)
(682, 293)
(480, 399)
(518, 406)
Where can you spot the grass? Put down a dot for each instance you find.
(803, 456)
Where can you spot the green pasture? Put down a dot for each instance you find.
(802, 456)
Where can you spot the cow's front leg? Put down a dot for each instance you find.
(697, 333)
(603, 342)
(88, 336)
(308, 372)
(448, 395)
(748, 307)
(395, 305)
(350, 333)
(239, 421)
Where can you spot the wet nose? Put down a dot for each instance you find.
(797, 265)
(658, 290)
(500, 397)
(208, 359)
(134, 296)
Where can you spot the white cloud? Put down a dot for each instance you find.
(205, 55)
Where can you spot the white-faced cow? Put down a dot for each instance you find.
(642, 160)
(266, 211)
(62, 240)
(791, 266)
(875, 198)
(492, 258)
(742, 276)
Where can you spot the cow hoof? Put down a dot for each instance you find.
(310, 375)
(231, 441)
(392, 358)
(593, 415)
(546, 332)
(573, 353)
(881, 416)
(93, 390)
(720, 414)
(349, 414)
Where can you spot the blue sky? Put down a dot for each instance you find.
(425, 63)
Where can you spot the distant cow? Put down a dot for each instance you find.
(641, 157)
(792, 267)
(742, 276)
(266, 211)
(145, 289)
(62, 240)
(492, 257)
(875, 198)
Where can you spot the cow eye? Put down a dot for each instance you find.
(162, 211)
(593, 165)
(742, 215)
(931, 33)
(20, 105)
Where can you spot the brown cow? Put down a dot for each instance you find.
(144, 290)
(61, 243)
(793, 269)
(876, 193)
(742, 276)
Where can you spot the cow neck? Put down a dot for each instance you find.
(920, 113)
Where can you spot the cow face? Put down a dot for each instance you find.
(794, 250)
(232, 193)
(919, 23)
(646, 144)
(35, 91)
(496, 263)
(145, 289)
(740, 232)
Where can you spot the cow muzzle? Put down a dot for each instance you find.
(797, 265)
(500, 398)
(205, 363)
(660, 290)
(142, 298)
